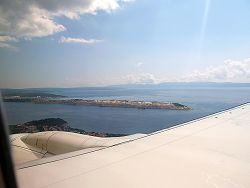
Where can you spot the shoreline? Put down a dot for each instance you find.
(101, 103)
(54, 124)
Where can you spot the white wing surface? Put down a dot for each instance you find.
(211, 152)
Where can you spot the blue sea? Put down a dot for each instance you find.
(203, 98)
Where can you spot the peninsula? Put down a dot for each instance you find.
(38, 97)
(101, 103)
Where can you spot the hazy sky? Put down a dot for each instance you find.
(61, 43)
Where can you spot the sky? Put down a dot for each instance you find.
(61, 43)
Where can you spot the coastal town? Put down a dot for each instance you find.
(101, 103)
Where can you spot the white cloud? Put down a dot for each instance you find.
(143, 78)
(78, 40)
(139, 64)
(5, 41)
(229, 71)
(7, 38)
(36, 18)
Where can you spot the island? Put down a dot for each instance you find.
(53, 124)
(39, 97)
(101, 103)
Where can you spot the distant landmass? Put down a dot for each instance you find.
(39, 97)
(28, 93)
(101, 103)
(53, 124)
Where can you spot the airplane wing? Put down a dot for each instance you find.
(210, 152)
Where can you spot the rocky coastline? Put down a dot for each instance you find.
(53, 124)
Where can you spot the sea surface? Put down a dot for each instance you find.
(204, 99)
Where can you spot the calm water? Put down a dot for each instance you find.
(203, 100)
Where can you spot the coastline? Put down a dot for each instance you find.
(101, 103)
(54, 124)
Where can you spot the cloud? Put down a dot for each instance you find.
(143, 78)
(5, 41)
(139, 64)
(229, 71)
(37, 18)
(78, 40)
